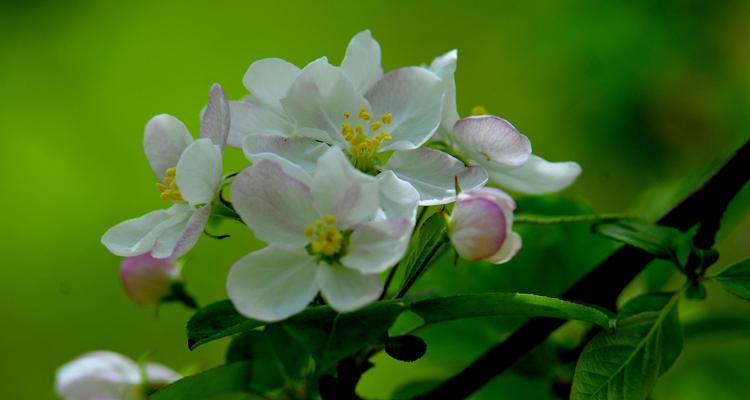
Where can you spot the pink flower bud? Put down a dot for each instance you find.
(481, 223)
(146, 279)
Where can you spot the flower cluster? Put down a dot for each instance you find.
(341, 159)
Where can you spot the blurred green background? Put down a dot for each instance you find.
(648, 97)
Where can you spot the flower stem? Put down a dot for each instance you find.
(564, 219)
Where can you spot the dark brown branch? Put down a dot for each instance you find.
(603, 285)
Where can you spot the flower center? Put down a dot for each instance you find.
(169, 189)
(327, 241)
(365, 137)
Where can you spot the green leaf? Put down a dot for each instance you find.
(449, 308)
(626, 362)
(222, 382)
(661, 241)
(276, 357)
(736, 279)
(216, 321)
(425, 242)
(330, 336)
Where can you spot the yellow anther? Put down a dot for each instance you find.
(385, 135)
(375, 125)
(478, 110)
(363, 114)
(168, 189)
(161, 187)
(387, 118)
(318, 222)
(330, 219)
(359, 129)
(309, 231)
(170, 172)
(347, 115)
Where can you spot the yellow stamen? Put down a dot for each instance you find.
(168, 189)
(347, 115)
(309, 231)
(327, 239)
(375, 125)
(387, 118)
(330, 219)
(478, 110)
(171, 172)
(364, 115)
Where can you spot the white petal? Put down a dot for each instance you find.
(160, 375)
(362, 61)
(164, 141)
(510, 248)
(300, 151)
(398, 198)
(414, 96)
(478, 228)
(274, 199)
(445, 67)
(98, 375)
(433, 173)
(492, 141)
(199, 172)
(342, 191)
(377, 246)
(269, 80)
(273, 283)
(193, 231)
(537, 176)
(143, 234)
(318, 100)
(346, 289)
(249, 117)
(215, 119)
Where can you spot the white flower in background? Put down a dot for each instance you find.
(105, 375)
(148, 280)
(481, 226)
(189, 174)
(297, 114)
(495, 144)
(332, 232)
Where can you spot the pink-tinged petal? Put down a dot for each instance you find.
(158, 375)
(215, 119)
(98, 375)
(509, 250)
(249, 117)
(503, 199)
(318, 100)
(478, 228)
(274, 199)
(537, 176)
(193, 231)
(274, 283)
(156, 232)
(433, 173)
(492, 141)
(269, 80)
(398, 198)
(346, 289)
(362, 61)
(342, 191)
(199, 172)
(146, 279)
(164, 140)
(377, 246)
(301, 151)
(445, 67)
(414, 96)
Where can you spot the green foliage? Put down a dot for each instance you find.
(625, 363)
(736, 279)
(226, 382)
(505, 304)
(277, 359)
(428, 240)
(216, 321)
(661, 241)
